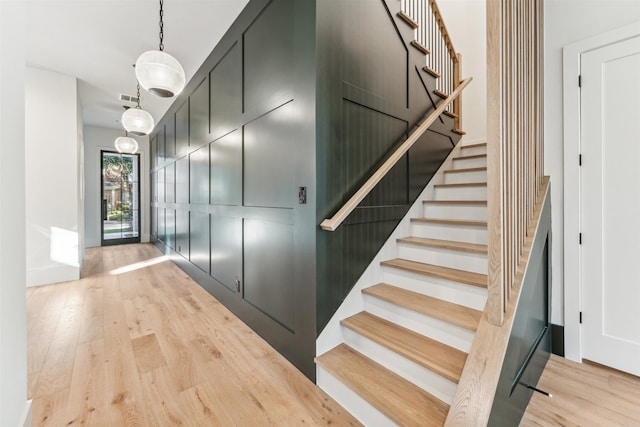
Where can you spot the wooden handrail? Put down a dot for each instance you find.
(331, 224)
(443, 30)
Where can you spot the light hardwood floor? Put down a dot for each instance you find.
(137, 342)
(584, 394)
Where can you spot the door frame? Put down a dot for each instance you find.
(571, 117)
(127, 240)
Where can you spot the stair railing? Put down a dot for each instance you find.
(331, 224)
(442, 60)
(515, 135)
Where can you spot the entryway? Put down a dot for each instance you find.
(120, 198)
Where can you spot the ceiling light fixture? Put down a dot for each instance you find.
(126, 145)
(158, 72)
(136, 120)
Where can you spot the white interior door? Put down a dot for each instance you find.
(610, 205)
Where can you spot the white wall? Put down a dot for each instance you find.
(569, 21)
(95, 140)
(14, 408)
(52, 181)
(466, 23)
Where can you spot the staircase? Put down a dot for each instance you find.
(401, 357)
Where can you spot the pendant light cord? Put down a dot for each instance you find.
(161, 26)
(138, 95)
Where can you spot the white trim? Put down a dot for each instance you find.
(571, 117)
(26, 419)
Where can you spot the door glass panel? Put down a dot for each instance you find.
(120, 198)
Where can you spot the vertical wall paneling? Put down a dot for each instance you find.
(153, 152)
(182, 130)
(199, 115)
(199, 253)
(182, 232)
(268, 283)
(226, 251)
(170, 183)
(269, 156)
(170, 228)
(226, 170)
(161, 144)
(226, 93)
(199, 176)
(268, 59)
(182, 181)
(170, 138)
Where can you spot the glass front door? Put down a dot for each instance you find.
(120, 198)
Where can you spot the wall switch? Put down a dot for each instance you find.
(302, 195)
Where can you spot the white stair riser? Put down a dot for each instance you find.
(457, 233)
(458, 293)
(366, 413)
(467, 261)
(461, 193)
(464, 177)
(443, 211)
(427, 380)
(472, 151)
(476, 162)
(451, 335)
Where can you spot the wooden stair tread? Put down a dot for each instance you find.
(441, 94)
(470, 222)
(461, 276)
(400, 400)
(420, 47)
(480, 169)
(450, 114)
(461, 184)
(455, 314)
(455, 202)
(474, 156)
(479, 144)
(458, 131)
(445, 244)
(408, 20)
(433, 355)
(433, 73)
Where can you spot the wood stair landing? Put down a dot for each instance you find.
(431, 354)
(452, 274)
(455, 314)
(398, 399)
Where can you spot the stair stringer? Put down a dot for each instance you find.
(332, 334)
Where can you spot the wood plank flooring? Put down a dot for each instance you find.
(137, 342)
(584, 394)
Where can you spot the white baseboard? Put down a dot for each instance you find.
(52, 274)
(26, 420)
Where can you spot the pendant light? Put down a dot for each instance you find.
(136, 120)
(126, 145)
(158, 72)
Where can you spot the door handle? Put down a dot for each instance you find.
(104, 209)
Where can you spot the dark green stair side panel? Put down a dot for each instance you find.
(524, 360)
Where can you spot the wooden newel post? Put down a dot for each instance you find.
(457, 103)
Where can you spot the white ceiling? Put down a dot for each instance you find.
(98, 41)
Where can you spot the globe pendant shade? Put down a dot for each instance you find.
(160, 73)
(126, 144)
(137, 121)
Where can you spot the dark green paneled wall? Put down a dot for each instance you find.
(371, 93)
(229, 157)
